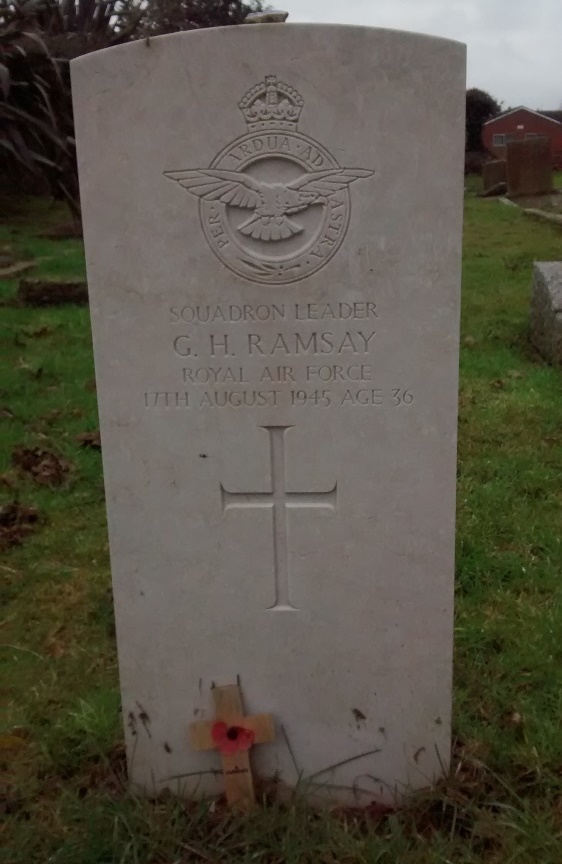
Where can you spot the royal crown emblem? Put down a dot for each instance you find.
(271, 105)
(297, 193)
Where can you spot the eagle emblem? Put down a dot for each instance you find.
(272, 203)
(270, 244)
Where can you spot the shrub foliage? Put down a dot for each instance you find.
(38, 38)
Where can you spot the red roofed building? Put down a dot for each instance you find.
(519, 123)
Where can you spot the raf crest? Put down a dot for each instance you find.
(276, 173)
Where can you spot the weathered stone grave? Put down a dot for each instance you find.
(275, 306)
(546, 310)
(493, 174)
(529, 167)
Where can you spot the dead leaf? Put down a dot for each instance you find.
(487, 828)
(52, 416)
(474, 749)
(21, 732)
(16, 521)
(90, 440)
(54, 648)
(11, 743)
(39, 332)
(484, 712)
(15, 513)
(44, 467)
(9, 479)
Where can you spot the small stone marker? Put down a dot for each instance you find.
(529, 167)
(233, 735)
(546, 310)
(274, 294)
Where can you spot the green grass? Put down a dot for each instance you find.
(65, 796)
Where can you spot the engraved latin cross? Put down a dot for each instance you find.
(278, 501)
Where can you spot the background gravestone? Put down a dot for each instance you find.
(493, 173)
(529, 167)
(275, 308)
(546, 310)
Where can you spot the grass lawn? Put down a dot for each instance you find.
(65, 795)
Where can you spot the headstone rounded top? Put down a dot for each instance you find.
(268, 16)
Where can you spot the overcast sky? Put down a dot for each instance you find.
(514, 46)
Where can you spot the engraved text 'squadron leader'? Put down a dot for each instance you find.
(297, 193)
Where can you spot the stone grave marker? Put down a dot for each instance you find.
(274, 294)
(546, 310)
(493, 173)
(529, 167)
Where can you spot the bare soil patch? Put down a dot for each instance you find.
(38, 292)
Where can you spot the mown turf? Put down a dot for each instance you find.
(65, 795)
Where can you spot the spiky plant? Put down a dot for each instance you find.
(38, 38)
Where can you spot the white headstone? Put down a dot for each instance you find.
(273, 225)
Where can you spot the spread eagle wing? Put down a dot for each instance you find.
(318, 185)
(228, 187)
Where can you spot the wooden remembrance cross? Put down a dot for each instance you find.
(278, 500)
(233, 734)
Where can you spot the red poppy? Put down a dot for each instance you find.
(231, 739)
